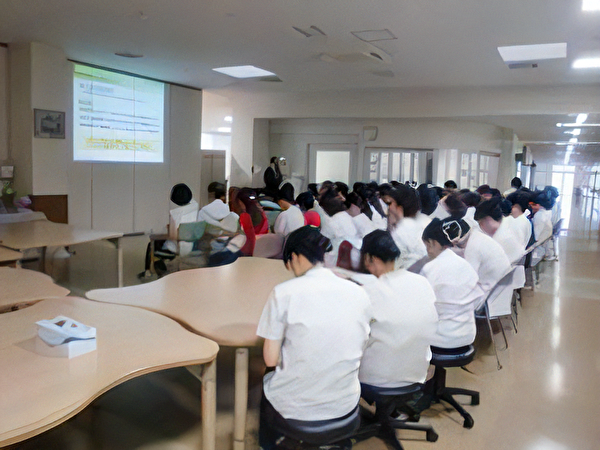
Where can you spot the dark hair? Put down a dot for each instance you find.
(470, 198)
(330, 202)
(505, 206)
(450, 184)
(495, 192)
(342, 188)
(428, 198)
(305, 200)
(546, 198)
(520, 198)
(445, 231)
(312, 187)
(379, 243)
(484, 189)
(286, 192)
(307, 241)
(406, 197)
(181, 194)
(217, 188)
(455, 206)
(516, 182)
(489, 208)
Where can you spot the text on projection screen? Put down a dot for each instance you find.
(117, 117)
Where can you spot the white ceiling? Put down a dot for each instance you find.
(439, 44)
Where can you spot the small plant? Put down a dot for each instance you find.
(7, 188)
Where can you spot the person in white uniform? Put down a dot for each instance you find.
(291, 217)
(491, 221)
(486, 256)
(454, 282)
(403, 206)
(404, 320)
(315, 327)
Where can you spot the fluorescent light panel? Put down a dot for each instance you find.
(537, 52)
(586, 63)
(590, 5)
(244, 71)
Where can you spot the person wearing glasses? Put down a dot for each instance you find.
(315, 327)
(454, 282)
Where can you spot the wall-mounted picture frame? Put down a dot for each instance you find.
(49, 124)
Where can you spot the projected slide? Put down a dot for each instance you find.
(117, 117)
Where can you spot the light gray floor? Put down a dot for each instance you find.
(544, 398)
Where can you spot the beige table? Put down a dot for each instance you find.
(23, 286)
(9, 257)
(38, 392)
(221, 303)
(43, 234)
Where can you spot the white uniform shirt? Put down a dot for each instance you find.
(404, 328)
(488, 259)
(177, 216)
(542, 225)
(363, 225)
(338, 228)
(408, 237)
(508, 237)
(289, 220)
(522, 229)
(323, 321)
(454, 282)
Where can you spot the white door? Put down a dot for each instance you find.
(334, 162)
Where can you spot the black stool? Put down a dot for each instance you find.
(452, 357)
(332, 434)
(389, 401)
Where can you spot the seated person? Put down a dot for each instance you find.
(454, 282)
(184, 212)
(356, 207)
(291, 217)
(338, 226)
(403, 206)
(306, 203)
(485, 255)
(492, 222)
(522, 225)
(404, 320)
(244, 200)
(315, 328)
(541, 207)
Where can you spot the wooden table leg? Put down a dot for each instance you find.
(241, 398)
(209, 405)
(120, 261)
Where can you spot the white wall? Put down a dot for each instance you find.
(293, 137)
(3, 104)
(121, 197)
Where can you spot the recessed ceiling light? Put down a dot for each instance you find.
(243, 71)
(590, 5)
(581, 118)
(574, 132)
(573, 141)
(228, 119)
(520, 53)
(586, 63)
(224, 129)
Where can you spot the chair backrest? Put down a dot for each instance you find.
(246, 224)
(190, 232)
(499, 299)
(269, 246)
(344, 259)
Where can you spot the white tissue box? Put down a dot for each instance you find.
(68, 350)
(65, 337)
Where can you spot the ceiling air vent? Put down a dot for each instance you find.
(522, 66)
(310, 32)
